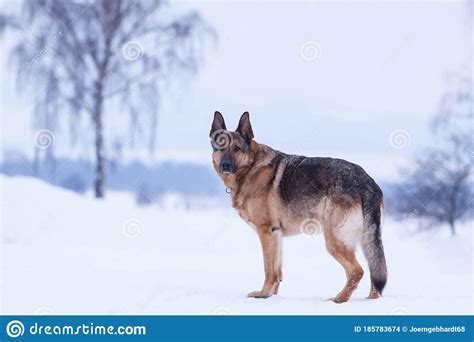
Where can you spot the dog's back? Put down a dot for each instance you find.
(343, 182)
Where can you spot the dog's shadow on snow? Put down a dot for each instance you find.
(279, 298)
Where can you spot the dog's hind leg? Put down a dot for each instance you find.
(271, 241)
(354, 272)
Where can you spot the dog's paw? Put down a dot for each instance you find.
(258, 294)
(336, 300)
(373, 296)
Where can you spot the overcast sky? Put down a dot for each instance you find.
(379, 67)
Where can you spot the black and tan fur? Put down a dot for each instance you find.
(276, 193)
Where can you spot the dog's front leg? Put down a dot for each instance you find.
(271, 241)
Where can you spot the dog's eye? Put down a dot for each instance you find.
(237, 148)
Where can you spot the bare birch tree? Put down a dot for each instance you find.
(439, 186)
(79, 57)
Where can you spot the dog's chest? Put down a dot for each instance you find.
(244, 214)
(253, 211)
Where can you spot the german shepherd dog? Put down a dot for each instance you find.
(281, 195)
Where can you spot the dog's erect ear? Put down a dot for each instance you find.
(218, 123)
(245, 128)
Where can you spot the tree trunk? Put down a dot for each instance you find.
(453, 228)
(98, 109)
(99, 142)
(36, 162)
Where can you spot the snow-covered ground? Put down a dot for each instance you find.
(63, 253)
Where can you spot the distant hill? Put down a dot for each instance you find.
(149, 180)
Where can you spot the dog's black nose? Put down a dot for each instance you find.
(226, 166)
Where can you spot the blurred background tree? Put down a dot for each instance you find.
(84, 58)
(438, 187)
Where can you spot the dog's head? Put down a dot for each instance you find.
(232, 151)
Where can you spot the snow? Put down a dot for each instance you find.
(64, 253)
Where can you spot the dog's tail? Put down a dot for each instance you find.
(372, 247)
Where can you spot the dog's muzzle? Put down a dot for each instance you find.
(227, 167)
